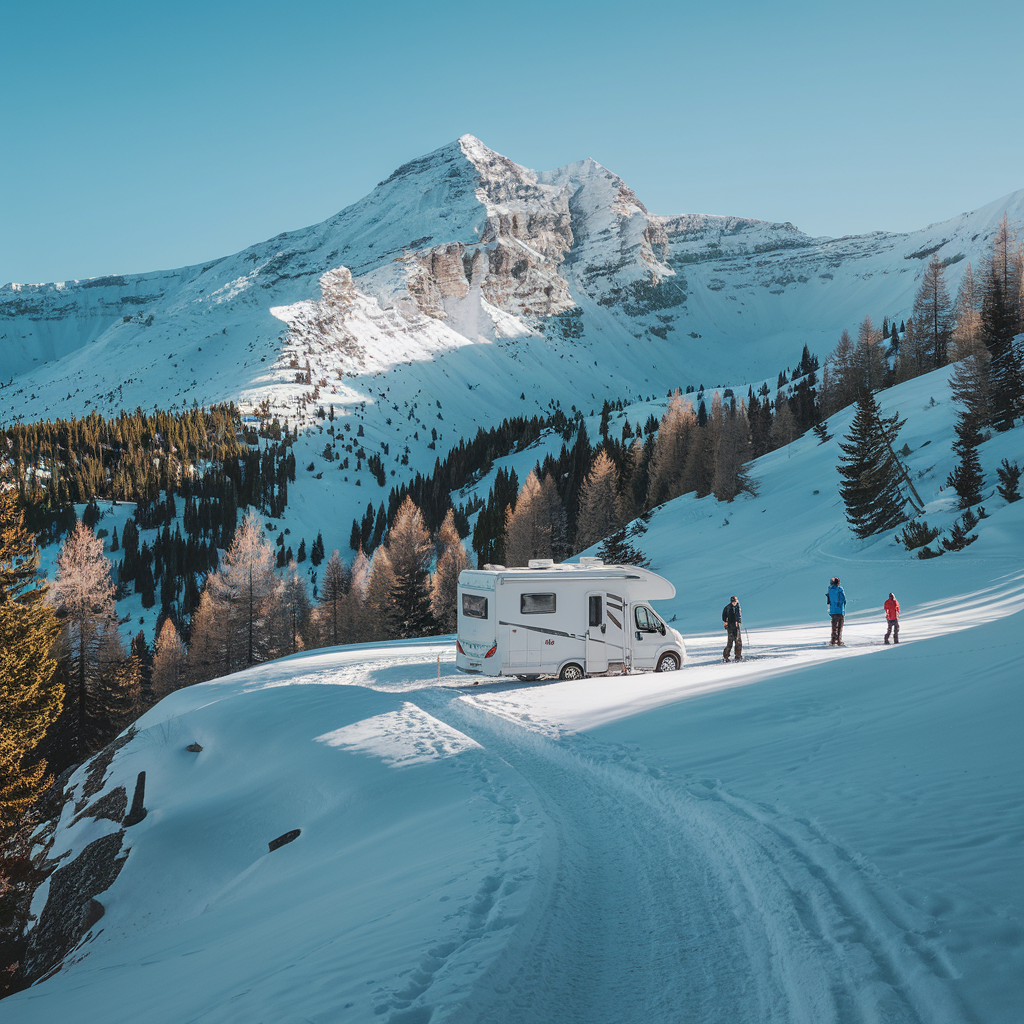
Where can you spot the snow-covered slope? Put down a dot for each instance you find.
(813, 836)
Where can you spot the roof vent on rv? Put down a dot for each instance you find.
(589, 562)
(498, 568)
(540, 563)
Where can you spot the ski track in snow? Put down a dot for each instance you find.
(662, 899)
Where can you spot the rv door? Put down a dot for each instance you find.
(648, 631)
(605, 641)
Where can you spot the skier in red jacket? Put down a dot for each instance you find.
(892, 619)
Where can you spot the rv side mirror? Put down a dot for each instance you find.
(661, 629)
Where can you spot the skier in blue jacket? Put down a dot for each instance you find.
(837, 609)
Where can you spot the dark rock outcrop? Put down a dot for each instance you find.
(71, 905)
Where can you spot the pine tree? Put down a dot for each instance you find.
(452, 559)
(967, 478)
(335, 587)
(617, 550)
(290, 623)
(244, 593)
(967, 332)
(410, 552)
(731, 477)
(597, 517)
(871, 478)
(380, 593)
(784, 428)
(527, 535)
(840, 381)
(90, 649)
(31, 694)
(676, 435)
(168, 661)
(933, 314)
(1009, 480)
(999, 325)
(553, 513)
(360, 575)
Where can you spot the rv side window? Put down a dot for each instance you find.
(536, 604)
(643, 621)
(474, 606)
(595, 610)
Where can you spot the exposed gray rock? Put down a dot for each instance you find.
(71, 905)
(111, 805)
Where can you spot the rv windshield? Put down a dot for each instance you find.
(647, 621)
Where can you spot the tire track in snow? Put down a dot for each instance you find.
(664, 901)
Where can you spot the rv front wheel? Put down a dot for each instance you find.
(571, 671)
(668, 662)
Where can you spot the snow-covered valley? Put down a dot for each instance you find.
(814, 835)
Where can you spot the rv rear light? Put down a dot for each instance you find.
(491, 651)
(458, 647)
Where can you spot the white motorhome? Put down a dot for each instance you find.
(564, 620)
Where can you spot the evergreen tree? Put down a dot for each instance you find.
(617, 550)
(731, 477)
(967, 332)
(335, 587)
(999, 324)
(451, 560)
(871, 370)
(292, 613)
(840, 384)
(244, 595)
(90, 649)
(597, 516)
(1009, 479)
(967, 478)
(676, 435)
(784, 429)
(380, 594)
(168, 661)
(360, 575)
(871, 477)
(553, 513)
(933, 314)
(31, 694)
(410, 552)
(527, 535)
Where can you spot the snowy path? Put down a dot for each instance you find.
(665, 901)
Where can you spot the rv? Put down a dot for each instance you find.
(564, 620)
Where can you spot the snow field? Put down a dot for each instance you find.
(815, 835)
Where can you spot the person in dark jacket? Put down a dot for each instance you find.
(837, 609)
(892, 619)
(732, 617)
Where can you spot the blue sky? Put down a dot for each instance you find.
(140, 137)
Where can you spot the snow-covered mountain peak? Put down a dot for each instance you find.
(465, 239)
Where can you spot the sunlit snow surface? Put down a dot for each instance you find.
(815, 835)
